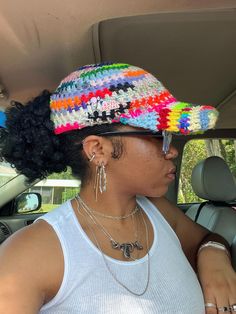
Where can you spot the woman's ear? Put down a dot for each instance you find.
(97, 149)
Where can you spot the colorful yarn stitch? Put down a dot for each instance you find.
(118, 92)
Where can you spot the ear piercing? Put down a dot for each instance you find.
(92, 157)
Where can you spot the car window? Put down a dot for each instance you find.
(7, 173)
(194, 152)
(56, 189)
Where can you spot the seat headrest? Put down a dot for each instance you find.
(212, 180)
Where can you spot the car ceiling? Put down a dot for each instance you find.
(193, 53)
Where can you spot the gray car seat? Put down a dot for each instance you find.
(213, 181)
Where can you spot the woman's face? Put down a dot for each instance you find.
(143, 168)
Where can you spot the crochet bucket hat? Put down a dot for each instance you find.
(121, 93)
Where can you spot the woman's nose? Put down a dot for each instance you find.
(172, 153)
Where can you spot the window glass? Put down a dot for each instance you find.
(6, 173)
(56, 189)
(194, 152)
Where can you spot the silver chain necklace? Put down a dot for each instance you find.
(132, 213)
(106, 262)
(126, 248)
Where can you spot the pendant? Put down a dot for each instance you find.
(126, 248)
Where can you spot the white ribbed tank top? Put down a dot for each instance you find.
(89, 288)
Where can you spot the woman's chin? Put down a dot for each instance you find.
(157, 192)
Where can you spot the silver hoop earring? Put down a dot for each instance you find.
(100, 181)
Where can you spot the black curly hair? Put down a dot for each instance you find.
(31, 146)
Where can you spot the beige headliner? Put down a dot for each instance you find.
(42, 41)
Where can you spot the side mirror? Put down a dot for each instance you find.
(27, 202)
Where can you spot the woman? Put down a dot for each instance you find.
(110, 250)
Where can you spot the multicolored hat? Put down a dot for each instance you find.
(118, 92)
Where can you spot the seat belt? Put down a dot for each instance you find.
(215, 203)
(200, 209)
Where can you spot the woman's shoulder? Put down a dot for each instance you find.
(58, 213)
(166, 208)
(31, 263)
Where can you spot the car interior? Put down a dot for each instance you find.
(190, 47)
(216, 214)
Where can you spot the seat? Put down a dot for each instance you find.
(213, 181)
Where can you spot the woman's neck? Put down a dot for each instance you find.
(109, 203)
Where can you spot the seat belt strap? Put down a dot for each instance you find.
(199, 210)
(215, 203)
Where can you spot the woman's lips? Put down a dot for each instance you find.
(171, 173)
(171, 176)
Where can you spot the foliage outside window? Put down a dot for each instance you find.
(194, 152)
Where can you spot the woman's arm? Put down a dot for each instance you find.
(189, 233)
(28, 270)
(212, 264)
